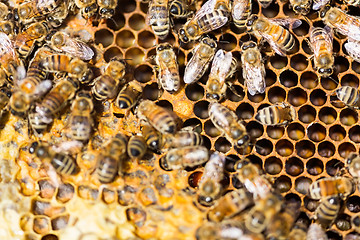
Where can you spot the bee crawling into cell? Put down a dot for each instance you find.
(350, 96)
(278, 114)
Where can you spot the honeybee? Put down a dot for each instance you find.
(180, 8)
(56, 99)
(80, 120)
(152, 137)
(353, 165)
(279, 38)
(352, 48)
(56, 18)
(29, 11)
(212, 15)
(107, 8)
(63, 43)
(88, 8)
(106, 85)
(182, 139)
(252, 178)
(179, 158)
(168, 69)
(62, 162)
(25, 41)
(160, 118)
(75, 67)
(136, 147)
(261, 214)
(321, 42)
(278, 114)
(158, 17)
(5, 94)
(38, 122)
(343, 23)
(230, 204)
(220, 70)
(240, 11)
(301, 6)
(316, 232)
(210, 187)
(128, 95)
(299, 230)
(253, 68)
(349, 96)
(110, 158)
(227, 122)
(327, 211)
(203, 54)
(331, 186)
(4, 11)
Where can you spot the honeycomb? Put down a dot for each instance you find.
(151, 203)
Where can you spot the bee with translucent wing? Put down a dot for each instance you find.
(88, 8)
(240, 12)
(332, 186)
(253, 68)
(203, 53)
(272, 30)
(212, 15)
(221, 68)
(29, 11)
(158, 17)
(353, 49)
(278, 114)
(316, 232)
(342, 22)
(6, 24)
(210, 187)
(182, 138)
(180, 158)
(318, 4)
(349, 95)
(128, 95)
(321, 42)
(327, 211)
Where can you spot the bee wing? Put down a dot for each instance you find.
(254, 78)
(221, 64)
(353, 49)
(287, 22)
(319, 4)
(214, 168)
(328, 36)
(273, 44)
(194, 67)
(6, 46)
(77, 48)
(72, 147)
(217, 21)
(43, 87)
(207, 8)
(238, 9)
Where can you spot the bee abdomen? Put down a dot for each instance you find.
(64, 164)
(107, 169)
(136, 147)
(104, 88)
(327, 211)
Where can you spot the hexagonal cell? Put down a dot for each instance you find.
(270, 77)
(337, 133)
(303, 29)
(294, 166)
(275, 132)
(127, 6)
(348, 117)
(273, 165)
(117, 22)
(271, 11)
(263, 147)
(194, 179)
(333, 167)
(297, 97)
(104, 37)
(47, 189)
(49, 237)
(311, 204)
(201, 109)
(165, 104)
(343, 222)
(245, 111)
(327, 115)
(41, 225)
(135, 55)
(316, 132)
(108, 196)
(315, 166)
(318, 97)
(354, 134)
(341, 65)
(355, 66)
(353, 204)
(146, 39)
(194, 92)
(299, 62)
(143, 73)
(59, 222)
(295, 131)
(137, 22)
(222, 145)
(305, 148)
(257, 97)
(65, 192)
(235, 93)
(278, 62)
(350, 80)
(309, 80)
(230, 161)
(111, 53)
(288, 78)
(210, 129)
(282, 184)
(326, 149)
(254, 129)
(276, 95)
(151, 91)
(333, 235)
(302, 185)
(307, 114)
(284, 148)
(345, 149)
(227, 42)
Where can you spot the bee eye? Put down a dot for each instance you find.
(32, 147)
(252, 45)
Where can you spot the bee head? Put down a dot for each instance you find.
(325, 72)
(251, 20)
(301, 9)
(183, 36)
(242, 142)
(247, 45)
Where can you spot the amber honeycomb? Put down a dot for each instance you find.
(152, 203)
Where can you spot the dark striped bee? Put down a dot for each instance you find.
(152, 137)
(158, 17)
(332, 186)
(279, 114)
(128, 95)
(299, 229)
(180, 8)
(180, 158)
(136, 147)
(106, 85)
(160, 118)
(327, 211)
(182, 138)
(240, 11)
(107, 8)
(62, 162)
(349, 95)
(279, 38)
(110, 157)
(80, 120)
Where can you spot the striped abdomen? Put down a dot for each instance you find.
(128, 96)
(56, 62)
(64, 164)
(241, 11)
(282, 37)
(34, 76)
(349, 96)
(269, 115)
(212, 21)
(80, 128)
(136, 147)
(327, 211)
(355, 3)
(151, 136)
(161, 119)
(36, 122)
(185, 138)
(104, 88)
(107, 169)
(160, 19)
